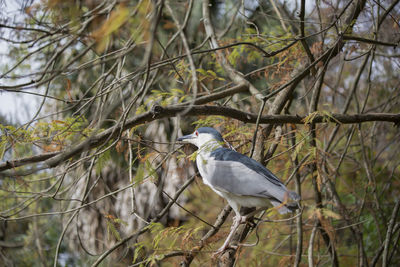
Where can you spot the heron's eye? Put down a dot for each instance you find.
(196, 133)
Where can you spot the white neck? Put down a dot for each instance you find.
(209, 146)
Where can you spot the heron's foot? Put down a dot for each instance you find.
(238, 219)
(243, 220)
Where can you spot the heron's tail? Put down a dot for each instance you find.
(287, 205)
(294, 196)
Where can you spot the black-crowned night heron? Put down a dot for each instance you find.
(242, 181)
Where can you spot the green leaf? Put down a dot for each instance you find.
(212, 73)
(102, 161)
(329, 115)
(310, 117)
(3, 145)
(136, 253)
(202, 72)
(208, 121)
(297, 149)
(112, 230)
(150, 169)
(139, 174)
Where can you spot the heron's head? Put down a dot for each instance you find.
(202, 136)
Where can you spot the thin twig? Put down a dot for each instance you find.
(392, 221)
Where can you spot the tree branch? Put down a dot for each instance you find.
(53, 159)
(369, 41)
(385, 261)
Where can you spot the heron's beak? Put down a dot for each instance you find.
(186, 138)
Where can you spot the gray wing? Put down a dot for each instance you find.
(225, 154)
(236, 178)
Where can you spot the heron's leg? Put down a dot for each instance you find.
(236, 222)
(238, 219)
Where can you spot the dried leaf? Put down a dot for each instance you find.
(117, 18)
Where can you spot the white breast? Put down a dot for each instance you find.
(201, 162)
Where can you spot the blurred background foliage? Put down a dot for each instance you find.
(92, 64)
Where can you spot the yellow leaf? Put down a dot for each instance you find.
(325, 223)
(329, 116)
(310, 117)
(117, 18)
(329, 213)
(319, 181)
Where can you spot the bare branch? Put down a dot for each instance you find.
(158, 112)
